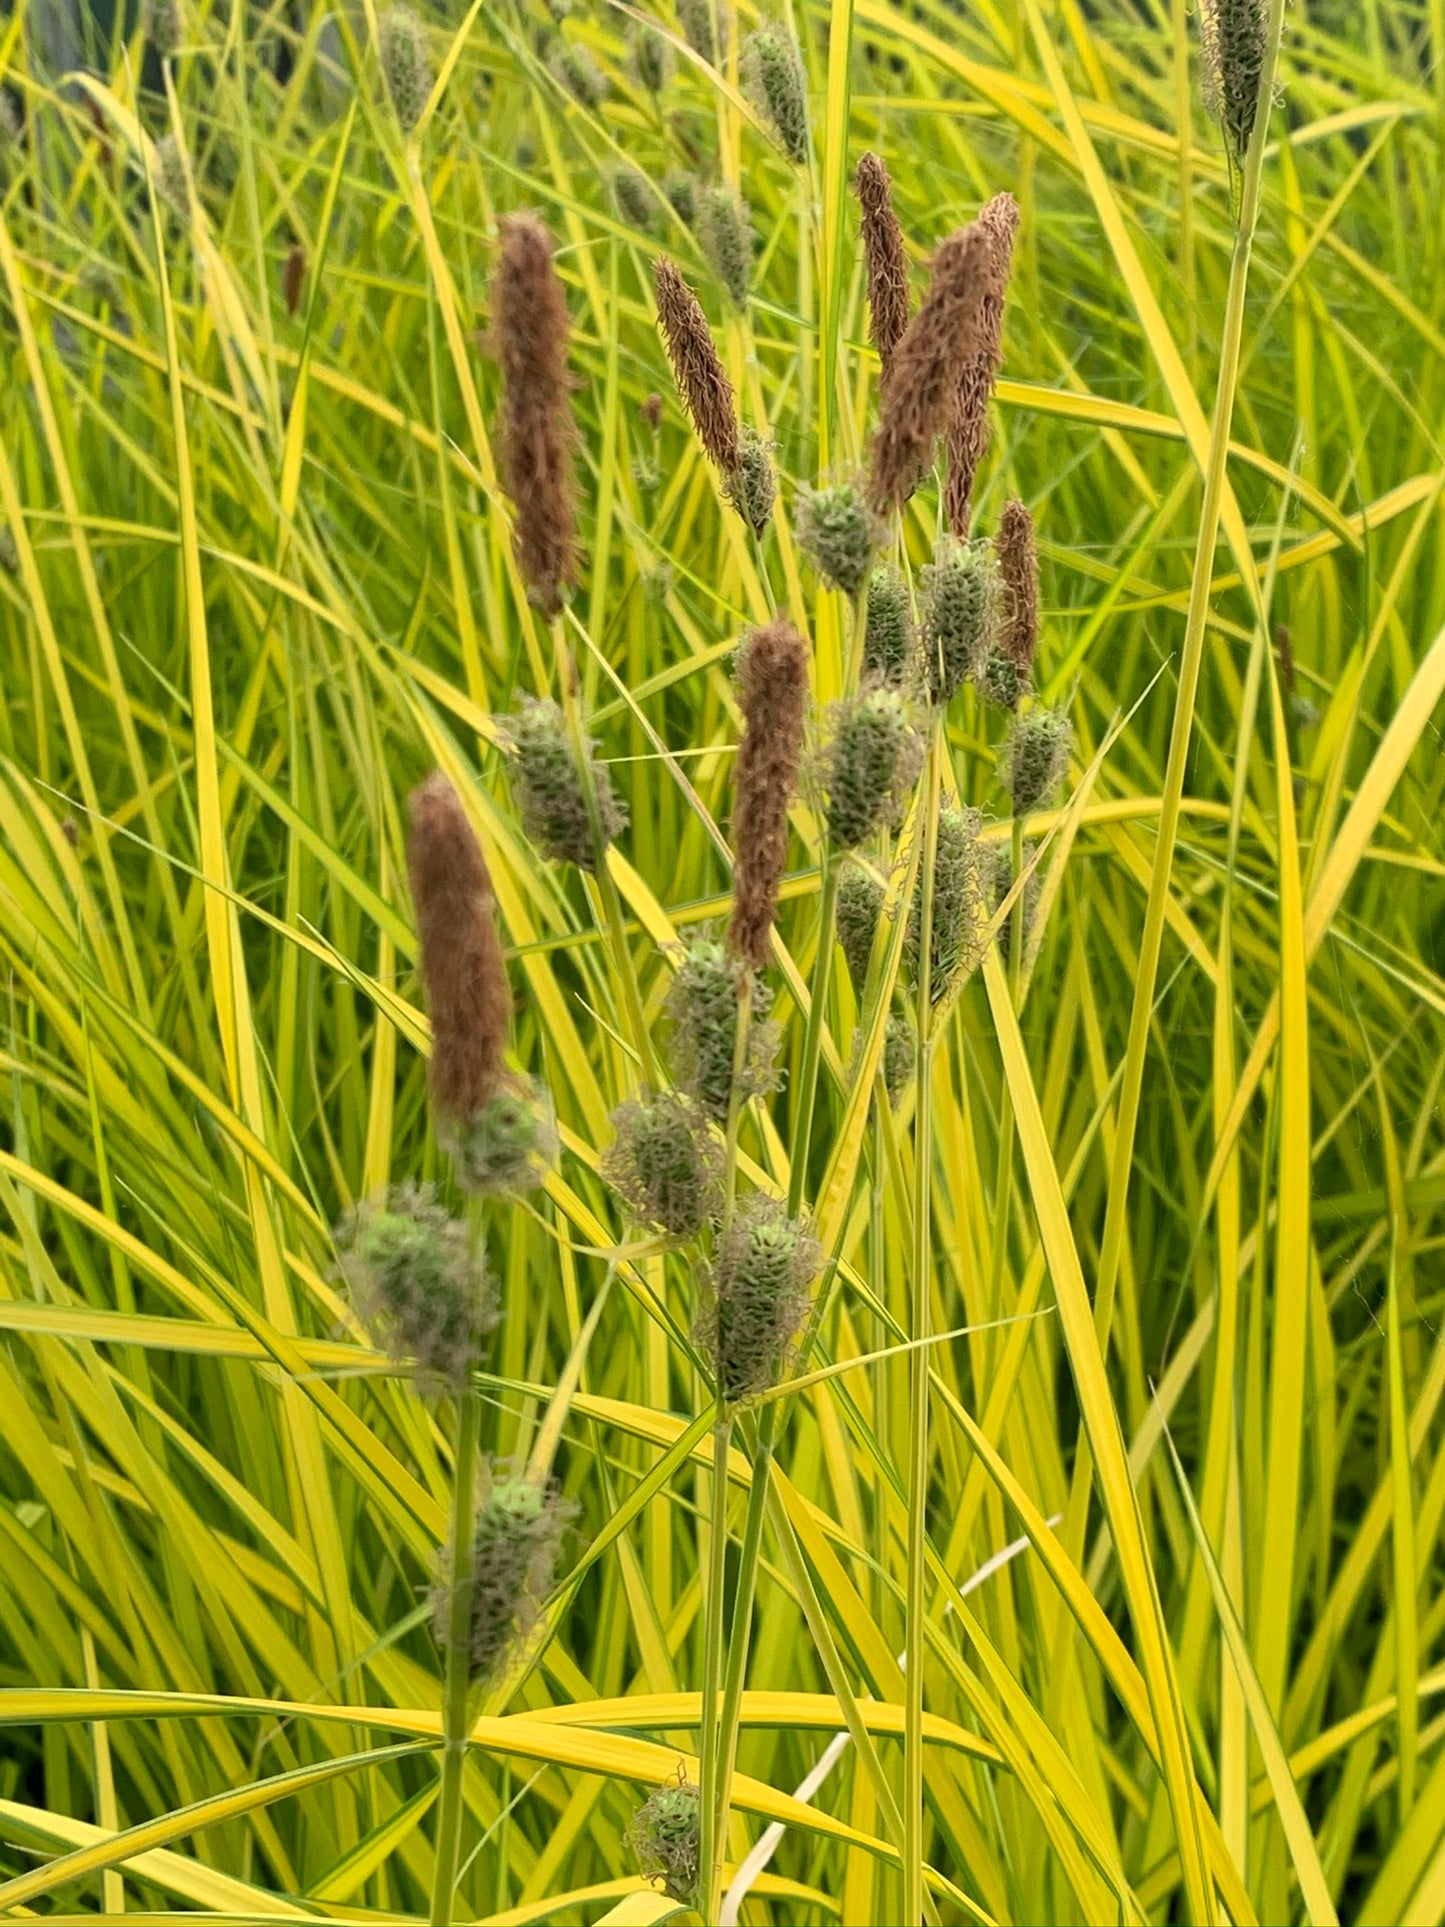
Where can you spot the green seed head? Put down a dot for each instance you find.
(778, 84)
(514, 1558)
(1001, 881)
(1034, 757)
(838, 533)
(680, 191)
(575, 69)
(508, 1144)
(652, 58)
(870, 762)
(751, 488)
(900, 1055)
(413, 1278)
(889, 641)
(550, 787)
(704, 25)
(758, 1297)
(727, 240)
(703, 1007)
(999, 680)
(666, 1837)
(170, 177)
(957, 908)
(960, 603)
(163, 27)
(663, 1162)
(404, 64)
(860, 904)
(1235, 39)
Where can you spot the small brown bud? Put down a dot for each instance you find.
(293, 277)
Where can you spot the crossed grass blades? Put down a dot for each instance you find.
(510, 560)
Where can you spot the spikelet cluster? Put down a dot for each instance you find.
(530, 328)
(860, 904)
(666, 1839)
(702, 1006)
(772, 685)
(505, 1147)
(726, 238)
(460, 952)
(1001, 881)
(551, 786)
(1034, 757)
(889, 642)
(752, 488)
(704, 25)
(873, 755)
(414, 1279)
(923, 379)
(575, 69)
(1235, 39)
(838, 533)
(514, 1551)
(1015, 644)
(958, 902)
(170, 177)
(663, 1163)
(885, 260)
(968, 429)
(697, 368)
(164, 28)
(681, 193)
(405, 64)
(960, 601)
(776, 80)
(651, 58)
(757, 1297)
(634, 199)
(900, 1055)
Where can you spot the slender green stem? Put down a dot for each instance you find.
(1003, 1186)
(458, 1659)
(920, 1280)
(813, 1038)
(713, 1815)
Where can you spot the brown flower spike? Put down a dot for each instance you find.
(1018, 568)
(461, 952)
(701, 380)
(530, 325)
(918, 401)
(886, 262)
(968, 430)
(773, 694)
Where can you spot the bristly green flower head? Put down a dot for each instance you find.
(514, 1559)
(1235, 38)
(170, 177)
(703, 1007)
(998, 679)
(726, 238)
(680, 191)
(957, 908)
(757, 1298)
(1001, 881)
(664, 1163)
(860, 904)
(509, 1143)
(414, 1278)
(778, 83)
(872, 758)
(405, 64)
(666, 1838)
(900, 1055)
(889, 641)
(959, 611)
(634, 199)
(163, 27)
(838, 533)
(550, 786)
(751, 488)
(652, 58)
(705, 26)
(575, 68)
(1034, 757)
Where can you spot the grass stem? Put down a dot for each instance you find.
(458, 1659)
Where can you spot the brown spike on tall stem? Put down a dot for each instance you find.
(884, 258)
(1018, 568)
(773, 693)
(968, 431)
(702, 382)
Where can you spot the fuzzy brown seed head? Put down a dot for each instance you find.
(885, 259)
(940, 339)
(294, 277)
(706, 392)
(773, 694)
(1235, 37)
(968, 430)
(461, 952)
(1018, 572)
(530, 326)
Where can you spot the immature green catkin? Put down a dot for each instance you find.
(704, 25)
(968, 429)
(872, 757)
(860, 905)
(652, 58)
(666, 1839)
(538, 435)
(960, 600)
(415, 1281)
(957, 908)
(514, 1550)
(890, 645)
(163, 27)
(838, 533)
(681, 194)
(900, 1055)
(505, 1148)
(752, 488)
(772, 684)
(1235, 39)
(574, 67)
(663, 1163)
(551, 787)
(1018, 574)
(461, 953)
(778, 83)
(405, 65)
(1033, 758)
(919, 397)
(1001, 881)
(170, 177)
(885, 259)
(702, 1005)
(697, 368)
(726, 239)
(634, 199)
(757, 1297)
